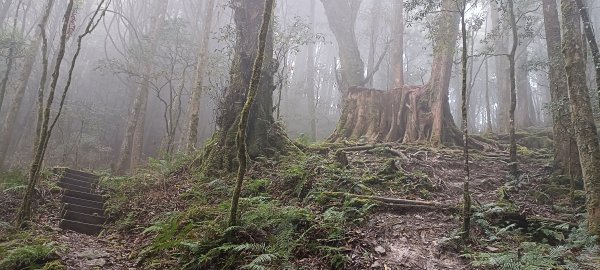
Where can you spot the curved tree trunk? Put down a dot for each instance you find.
(409, 113)
(342, 15)
(264, 136)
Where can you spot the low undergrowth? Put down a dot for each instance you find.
(507, 243)
(22, 250)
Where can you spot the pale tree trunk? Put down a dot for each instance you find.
(10, 57)
(502, 67)
(310, 79)
(137, 150)
(513, 164)
(4, 8)
(588, 27)
(342, 15)
(8, 127)
(194, 109)
(375, 18)
(133, 141)
(488, 109)
(397, 76)
(525, 111)
(581, 112)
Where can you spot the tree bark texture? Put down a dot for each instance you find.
(581, 112)
(502, 70)
(566, 155)
(245, 113)
(588, 28)
(310, 79)
(194, 110)
(264, 136)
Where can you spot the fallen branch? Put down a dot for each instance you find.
(394, 201)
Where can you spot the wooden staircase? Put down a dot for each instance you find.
(82, 207)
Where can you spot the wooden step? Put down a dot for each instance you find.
(73, 181)
(80, 173)
(85, 218)
(81, 178)
(84, 195)
(66, 186)
(80, 227)
(82, 202)
(82, 209)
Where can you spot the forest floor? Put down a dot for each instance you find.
(165, 218)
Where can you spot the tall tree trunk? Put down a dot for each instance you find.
(8, 127)
(566, 155)
(588, 27)
(581, 112)
(264, 136)
(342, 15)
(194, 110)
(133, 141)
(375, 17)
(397, 76)
(502, 70)
(513, 165)
(466, 213)
(488, 108)
(310, 79)
(245, 113)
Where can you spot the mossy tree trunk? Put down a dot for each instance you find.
(566, 155)
(466, 211)
(264, 136)
(408, 113)
(47, 126)
(581, 111)
(245, 113)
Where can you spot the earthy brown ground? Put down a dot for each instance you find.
(387, 240)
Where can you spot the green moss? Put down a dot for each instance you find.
(524, 151)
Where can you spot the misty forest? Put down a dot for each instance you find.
(299, 134)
